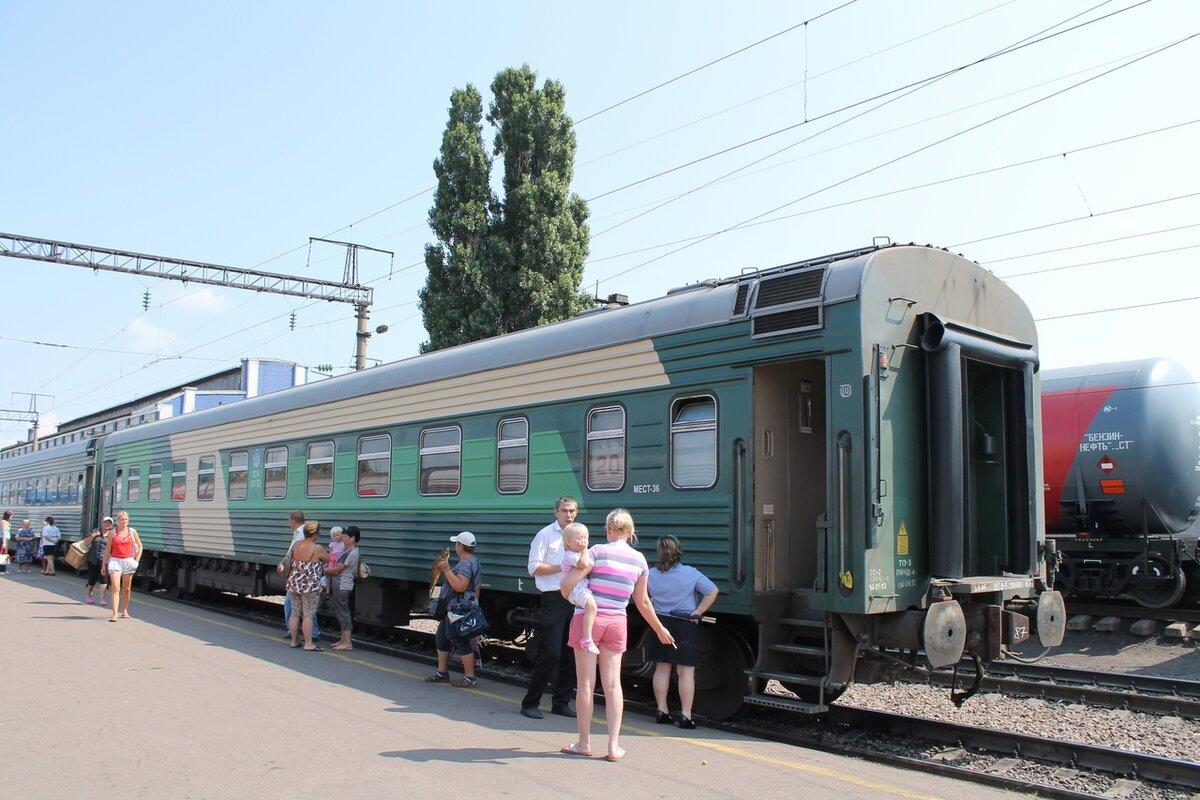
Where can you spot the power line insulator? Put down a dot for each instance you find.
(292, 322)
(146, 300)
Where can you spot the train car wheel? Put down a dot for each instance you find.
(722, 660)
(1157, 583)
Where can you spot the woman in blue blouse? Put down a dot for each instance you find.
(680, 594)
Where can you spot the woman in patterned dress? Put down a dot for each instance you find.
(27, 543)
(304, 585)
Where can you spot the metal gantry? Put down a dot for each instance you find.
(350, 291)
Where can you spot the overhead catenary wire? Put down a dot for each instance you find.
(1028, 41)
(910, 153)
(702, 67)
(1112, 260)
(792, 85)
(926, 185)
(1125, 238)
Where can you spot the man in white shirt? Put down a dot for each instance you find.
(555, 665)
(296, 522)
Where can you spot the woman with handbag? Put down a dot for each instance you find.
(304, 585)
(464, 619)
(27, 545)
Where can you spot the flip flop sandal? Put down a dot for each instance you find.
(572, 750)
(466, 683)
(614, 757)
(314, 649)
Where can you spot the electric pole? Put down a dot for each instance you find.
(362, 311)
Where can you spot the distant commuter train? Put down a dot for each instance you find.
(1122, 466)
(849, 446)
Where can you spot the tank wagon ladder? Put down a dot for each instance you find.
(777, 650)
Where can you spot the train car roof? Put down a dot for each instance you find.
(38, 456)
(1136, 372)
(695, 306)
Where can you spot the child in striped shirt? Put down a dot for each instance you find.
(575, 554)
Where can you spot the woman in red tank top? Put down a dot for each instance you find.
(120, 563)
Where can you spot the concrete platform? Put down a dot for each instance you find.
(183, 703)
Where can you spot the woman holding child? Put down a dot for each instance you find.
(616, 572)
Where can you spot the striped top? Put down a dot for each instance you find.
(617, 569)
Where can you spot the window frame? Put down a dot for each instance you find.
(502, 443)
(267, 465)
(359, 457)
(133, 484)
(438, 451)
(693, 427)
(200, 473)
(309, 462)
(174, 473)
(589, 437)
(230, 469)
(119, 487)
(154, 481)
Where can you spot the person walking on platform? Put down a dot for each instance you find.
(50, 537)
(554, 667)
(97, 542)
(296, 525)
(680, 594)
(121, 557)
(304, 585)
(462, 578)
(5, 532)
(341, 577)
(617, 573)
(27, 545)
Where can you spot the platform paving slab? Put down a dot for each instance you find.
(185, 703)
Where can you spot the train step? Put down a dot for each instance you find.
(798, 649)
(795, 622)
(786, 703)
(788, 677)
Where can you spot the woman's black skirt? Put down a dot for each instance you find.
(684, 653)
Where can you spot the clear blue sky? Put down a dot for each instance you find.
(231, 132)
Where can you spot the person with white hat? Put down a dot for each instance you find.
(463, 577)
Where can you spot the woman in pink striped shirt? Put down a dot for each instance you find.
(616, 572)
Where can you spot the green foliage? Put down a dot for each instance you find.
(504, 264)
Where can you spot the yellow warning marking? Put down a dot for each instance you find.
(848, 579)
(902, 540)
(786, 763)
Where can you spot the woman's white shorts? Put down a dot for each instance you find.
(126, 566)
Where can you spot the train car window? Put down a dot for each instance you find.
(154, 482)
(441, 461)
(178, 481)
(512, 455)
(206, 479)
(40, 496)
(606, 449)
(319, 481)
(239, 464)
(275, 474)
(135, 484)
(374, 466)
(119, 496)
(694, 443)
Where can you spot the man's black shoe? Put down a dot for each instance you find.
(563, 711)
(533, 712)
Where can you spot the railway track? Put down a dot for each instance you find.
(1131, 610)
(1144, 693)
(988, 756)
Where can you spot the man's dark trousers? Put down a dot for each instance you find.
(555, 667)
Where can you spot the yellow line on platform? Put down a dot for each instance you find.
(705, 744)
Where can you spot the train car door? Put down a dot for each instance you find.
(789, 473)
(106, 489)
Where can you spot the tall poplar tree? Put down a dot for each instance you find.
(502, 264)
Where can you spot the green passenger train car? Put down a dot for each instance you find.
(849, 446)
